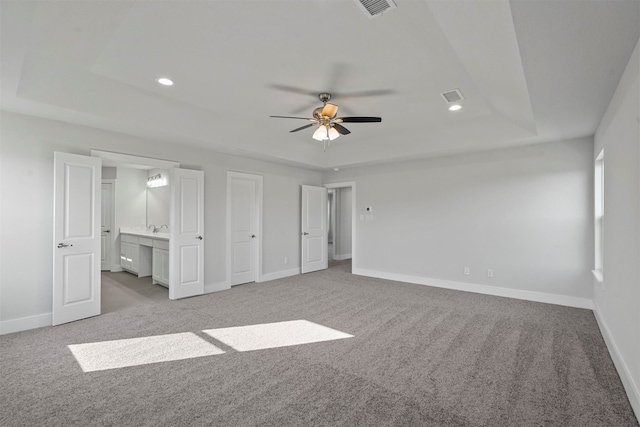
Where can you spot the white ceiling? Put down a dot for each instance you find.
(531, 71)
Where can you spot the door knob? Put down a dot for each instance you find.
(253, 236)
(199, 237)
(304, 233)
(107, 231)
(63, 245)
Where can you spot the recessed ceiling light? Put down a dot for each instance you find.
(165, 81)
(455, 107)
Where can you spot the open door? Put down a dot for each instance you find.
(314, 229)
(76, 234)
(186, 238)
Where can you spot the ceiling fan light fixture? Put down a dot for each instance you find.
(333, 133)
(321, 134)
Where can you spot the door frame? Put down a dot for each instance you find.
(257, 223)
(354, 215)
(111, 159)
(331, 223)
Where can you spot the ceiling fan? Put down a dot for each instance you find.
(328, 125)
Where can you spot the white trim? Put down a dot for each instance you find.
(25, 323)
(259, 201)
(632, 389)
(280, 274)
(216, 287)
(598, 275)
(109, 158)
(354, 215)
(342, 257)
(565, 300)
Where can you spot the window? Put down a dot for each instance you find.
(599, 216)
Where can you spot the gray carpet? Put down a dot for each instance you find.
(420, 356)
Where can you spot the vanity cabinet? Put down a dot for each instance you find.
(161, 262)
(135, 254)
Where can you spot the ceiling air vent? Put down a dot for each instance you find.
(373, 8)
(452, 96)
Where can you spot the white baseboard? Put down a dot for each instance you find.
(481, 289)
(279, 274)
(342, 257)
(633, 392)
(216, 287)
(25, 323)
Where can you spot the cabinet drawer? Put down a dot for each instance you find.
(129, 239)
(161, 244)
(145, 241)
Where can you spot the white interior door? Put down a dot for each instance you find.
(244, 226)
(76, 223)
(186, 234)
(243, 230)
(314, 229)
(105, 227)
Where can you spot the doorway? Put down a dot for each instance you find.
(160, 207)
(106, 225)
(79, 199)
(341, 208)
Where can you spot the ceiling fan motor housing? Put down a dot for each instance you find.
(324, 97)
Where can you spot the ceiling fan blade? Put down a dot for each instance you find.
(302, 127)
(358, 119)
(293, 89)
(289, 117)
(366, 93)
(330, 110)
(341, 129)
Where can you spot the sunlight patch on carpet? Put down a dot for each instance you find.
(272, 335)
(99, 356)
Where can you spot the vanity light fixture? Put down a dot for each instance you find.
(157, 180)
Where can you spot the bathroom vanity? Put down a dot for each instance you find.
(145, 253)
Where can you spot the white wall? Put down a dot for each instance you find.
(523, 212)
(617, 298)
(26, 197)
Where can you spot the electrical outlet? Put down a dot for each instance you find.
(467, 271)
(490, 272)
